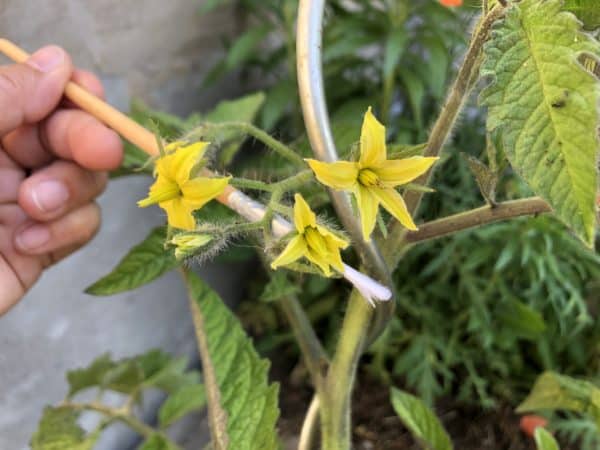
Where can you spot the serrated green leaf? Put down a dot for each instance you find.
(172, 376)
(91, 376)
(144, 263)
(558, 392)
(158, 442)
(58, 430)
(546, 107)
(420, 420)
(588, 11)
(279, 286)
(184, 401)
(242, 404)
(153, 369)
(544, 440)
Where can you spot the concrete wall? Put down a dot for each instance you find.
(152, 49)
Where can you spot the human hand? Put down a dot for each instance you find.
(53, 162)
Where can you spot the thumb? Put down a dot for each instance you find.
(31, 91)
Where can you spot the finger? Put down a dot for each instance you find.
(10, 180)
(75, 135)
(61, 187)
(60, 254)
(76, 228)
(30, 91)
(25, 146)
(26, 143)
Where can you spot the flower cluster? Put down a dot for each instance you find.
(373, 180)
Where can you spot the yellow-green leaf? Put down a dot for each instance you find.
(242, 405)
(545, 105)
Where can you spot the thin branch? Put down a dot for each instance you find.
(264, 137)
(478, 217)
(116, 414)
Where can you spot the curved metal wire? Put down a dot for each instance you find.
(316, 120)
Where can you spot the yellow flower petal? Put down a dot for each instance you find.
(401, 171)
(335, 258)
(178, 164)
(329, 236)
(339, 175)
(199, 191)
(303, 215)
(179, 214)
(295, 249)
(184, 159)
(372, 142)
(394, 203)
(316, 242)
(367, 206)
(319, 260)
(162, 190)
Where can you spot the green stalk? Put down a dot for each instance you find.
(277, 146)
(336, 397)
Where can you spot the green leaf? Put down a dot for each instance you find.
(278, 287)
(544, 440)
(415, 90)
(521, 319)
(144, 263)
(153, 369)
(242, 404)
(245, 47)
(394, 48)
(58, 430)
(158, 442)
(420, 420)
(586, 10)
(486, 179)
(244, 109)
(558, 392)
(546, 107)
(91, 376)
(186, 400)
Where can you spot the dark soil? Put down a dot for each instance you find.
(376, 426)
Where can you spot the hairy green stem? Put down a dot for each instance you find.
(264, 137)
(336, 398)
(116, 414)
(256, 185)
(443, 126)
(315, 357)
(478, 217)
(294, 182)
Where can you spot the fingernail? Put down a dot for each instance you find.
(50, 195)
(33, 237)
(47, 59)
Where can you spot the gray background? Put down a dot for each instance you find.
(157, 51)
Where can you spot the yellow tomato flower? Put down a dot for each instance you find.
(176, 190)
(373, 178)
(319, 245)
